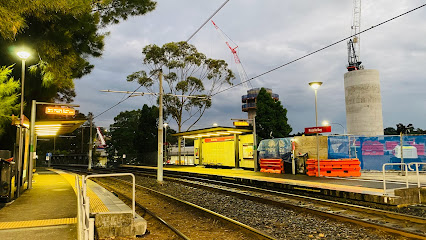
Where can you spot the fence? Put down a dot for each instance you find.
(373, 152)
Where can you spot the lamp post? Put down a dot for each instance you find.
(326, 123)
(315, 86)
(23, 56)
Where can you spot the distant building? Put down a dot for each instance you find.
(249, 101)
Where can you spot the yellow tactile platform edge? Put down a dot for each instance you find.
(37, 223)
(96, 204)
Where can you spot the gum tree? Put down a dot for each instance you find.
(186, 72)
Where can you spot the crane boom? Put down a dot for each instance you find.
(241, 72)
(354, 44)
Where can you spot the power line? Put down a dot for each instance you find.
(124, 99)
(328, 46)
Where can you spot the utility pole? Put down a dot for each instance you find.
(90, 142)
(160, 130)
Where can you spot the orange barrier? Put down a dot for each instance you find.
(334, 167)
(271, 165)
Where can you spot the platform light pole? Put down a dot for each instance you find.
(315, 86)
(23, 55)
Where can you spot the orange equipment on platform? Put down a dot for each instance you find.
(271, 165)
(334, 167)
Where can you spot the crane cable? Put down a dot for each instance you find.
(328, 46)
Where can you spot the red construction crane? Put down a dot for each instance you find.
(241, 71)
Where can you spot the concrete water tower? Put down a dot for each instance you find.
(363, 103)
(249, 101)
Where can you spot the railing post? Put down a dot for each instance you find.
(384, 174)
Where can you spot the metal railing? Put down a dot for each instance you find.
(384, 174)
(86, 224)
(417, 170)
(418, 177)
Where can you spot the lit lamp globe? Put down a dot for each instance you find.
(23, 55)
(325, 123)
(315, 85)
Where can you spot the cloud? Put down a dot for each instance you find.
(270, 34)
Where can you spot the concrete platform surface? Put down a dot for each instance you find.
(47, 211)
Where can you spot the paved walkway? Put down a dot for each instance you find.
(48, 211)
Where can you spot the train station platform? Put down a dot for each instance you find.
(367, 188)
(49, 210)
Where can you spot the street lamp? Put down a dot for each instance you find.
(315, 86)
(326, 123)
(165, 140)
(215, 125)
(23, 56)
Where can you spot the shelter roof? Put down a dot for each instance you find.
(212, 132)
(52, 127)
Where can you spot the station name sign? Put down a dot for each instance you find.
(60, 111)
(322, 129)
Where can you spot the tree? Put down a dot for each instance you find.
(15, 12)
(271, 117)
(8, 97)
(135, 133)
(390, 131)
(401, 128)
(187, 72)
(63, 35)
(409, 129)
(146, 138)
(123, 132)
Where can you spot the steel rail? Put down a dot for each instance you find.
(179, 233)
(259, 234)
(329, 214)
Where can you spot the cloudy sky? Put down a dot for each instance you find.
(269, 34)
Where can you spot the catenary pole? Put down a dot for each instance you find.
(160, 130)
(90, 141)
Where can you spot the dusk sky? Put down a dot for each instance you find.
(269, 34)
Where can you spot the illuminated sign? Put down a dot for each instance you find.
(323, 129)
(241, 124)
(60, 111)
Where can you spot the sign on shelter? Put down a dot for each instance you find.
(60, 111)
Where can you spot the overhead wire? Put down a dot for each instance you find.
(124, 99)
(316, 51)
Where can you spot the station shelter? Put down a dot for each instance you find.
(222, 146)
(21, 170)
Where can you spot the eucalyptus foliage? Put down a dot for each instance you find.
(9, 104)
(186, 72)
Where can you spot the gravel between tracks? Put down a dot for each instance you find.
(277, 222)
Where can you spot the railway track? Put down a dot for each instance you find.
(392, 222)
(407, 226)
(186, 213)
